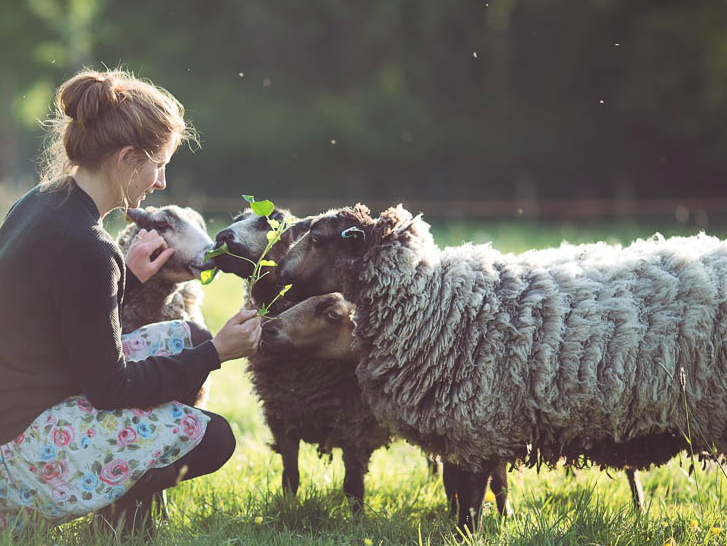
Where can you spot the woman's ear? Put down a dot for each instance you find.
(125, 157)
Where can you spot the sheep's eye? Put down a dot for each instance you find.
(333, 315)
(161, 224)
(314, 240)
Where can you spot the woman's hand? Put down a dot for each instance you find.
(138, 257)
(239, 336)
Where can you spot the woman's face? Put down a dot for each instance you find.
(150, 176)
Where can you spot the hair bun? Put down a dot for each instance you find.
(88, 96)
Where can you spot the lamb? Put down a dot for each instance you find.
(174, 293)
(587, 352)
(310, 392)
(301, 391)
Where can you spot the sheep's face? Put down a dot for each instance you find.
(322, 259)
(319, 327)
(247, 237)
(184, 230)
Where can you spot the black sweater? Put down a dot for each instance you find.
(62, 281)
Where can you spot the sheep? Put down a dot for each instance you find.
(174, 292)
(282, 379)
(310, 392)
(587, 352)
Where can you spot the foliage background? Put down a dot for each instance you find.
(444, 105)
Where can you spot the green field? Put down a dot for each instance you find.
(242, 504)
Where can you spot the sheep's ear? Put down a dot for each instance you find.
(297, 230)
(140, 217)
(355, 239)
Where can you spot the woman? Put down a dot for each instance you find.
(81, 426)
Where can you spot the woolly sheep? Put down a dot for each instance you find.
(578, 352)
(174, 292)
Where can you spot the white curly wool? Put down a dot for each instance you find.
(481, 355)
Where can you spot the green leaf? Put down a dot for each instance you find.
(285, 289)
(270, 263)
(208, 275)
(262, 208)
(271, 235)
(273, 223)
(216, 252)
(248, 198)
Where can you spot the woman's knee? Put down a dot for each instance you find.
(197, 333)
(219, 438)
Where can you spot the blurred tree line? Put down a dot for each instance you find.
(384, 99)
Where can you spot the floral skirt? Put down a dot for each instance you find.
(74, 459)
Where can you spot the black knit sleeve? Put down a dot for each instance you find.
(91, 332)
(132, 281)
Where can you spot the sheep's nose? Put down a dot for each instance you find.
(225, 236)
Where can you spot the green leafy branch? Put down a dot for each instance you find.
(261, 208)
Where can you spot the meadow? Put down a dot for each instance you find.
(243, 504)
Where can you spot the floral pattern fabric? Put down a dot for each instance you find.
(74, 459)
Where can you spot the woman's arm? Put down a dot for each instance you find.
(91, 332)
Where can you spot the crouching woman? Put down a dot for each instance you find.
(82, 425)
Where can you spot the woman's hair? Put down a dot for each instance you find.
(98, 113)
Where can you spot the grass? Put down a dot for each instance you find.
(242, 504)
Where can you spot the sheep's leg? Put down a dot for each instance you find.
(470, 493)
(498, 484)
(289, 451)
(637, 492)
(450, 471)
(432, 466)
(287, 445)
(353, 481)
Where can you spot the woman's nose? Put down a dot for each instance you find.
(161, 182)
